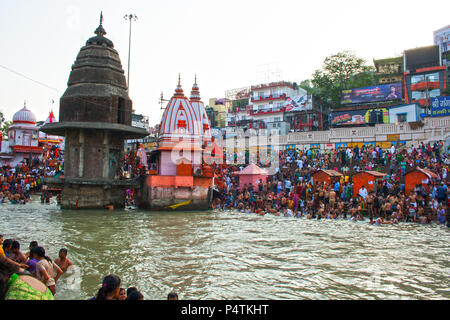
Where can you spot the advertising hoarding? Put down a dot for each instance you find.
(358, 117)
(382, 92)
(440, 106)
(298, 103)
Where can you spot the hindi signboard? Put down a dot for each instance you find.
(440, 106)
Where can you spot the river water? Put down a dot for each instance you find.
(230, 255)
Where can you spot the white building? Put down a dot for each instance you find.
(23, 139)
(405, 113)
(266, 108)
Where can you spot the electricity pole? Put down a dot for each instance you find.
(131, 17)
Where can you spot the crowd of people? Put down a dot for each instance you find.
(33, 275)
(291, 191)
(19, 182)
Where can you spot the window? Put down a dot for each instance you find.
(401, 117)
(121, 110)
(432, 76)
(417, 78)
(435, 93)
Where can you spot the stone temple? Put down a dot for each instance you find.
(95, 119)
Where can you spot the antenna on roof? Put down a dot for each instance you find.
(162, 100)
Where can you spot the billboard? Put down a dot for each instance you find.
(298, 103)
(359, 117)
(422, 58)
(440, 106)
(442, 38)
(382, 92)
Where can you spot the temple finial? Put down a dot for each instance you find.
(195, 79)
(100, 31)
(179, 79)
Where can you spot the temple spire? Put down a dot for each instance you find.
(100, 31)
(195, 93)
(179, 90)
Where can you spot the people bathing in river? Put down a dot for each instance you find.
(46, 268)
(110, 288)
(292, 191)
(172, 296)
(16, 285)
(62, 261)
(15, 253)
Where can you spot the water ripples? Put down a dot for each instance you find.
(230, 255)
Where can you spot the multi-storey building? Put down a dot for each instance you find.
(217, 112)
(273, 108)
(441, 37)
(425, 77)
(389, 70)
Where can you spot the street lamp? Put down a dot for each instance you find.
(131, 17)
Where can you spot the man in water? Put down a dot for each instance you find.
(63, 262)
(332, 196)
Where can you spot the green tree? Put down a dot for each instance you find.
(4, 125)
(341, 71)
(4, 129)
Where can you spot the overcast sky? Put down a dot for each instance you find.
(228, 44)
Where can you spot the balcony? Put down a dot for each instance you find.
(266, 111)
(269, 97)
(425, 85)
(423, 102)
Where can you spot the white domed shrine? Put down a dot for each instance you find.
(23, 141)
(24, 117)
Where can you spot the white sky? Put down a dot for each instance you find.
(226, 43)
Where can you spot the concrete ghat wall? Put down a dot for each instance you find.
(434, 129)
(92, 197)
(160, 192)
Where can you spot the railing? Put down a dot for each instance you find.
(269, 97)
(432, 127)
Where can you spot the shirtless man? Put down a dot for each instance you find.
(326, 198)
(370, 204)
(63, 262)
(321, 212)
(332, 198)
(387, 209)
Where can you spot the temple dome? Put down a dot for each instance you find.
(180, 122)
(24, 116)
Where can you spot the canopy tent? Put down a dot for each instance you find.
(251, 174)
(368, 179)
(326, 177)
(418, 176)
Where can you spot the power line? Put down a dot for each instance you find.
(28, 78)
